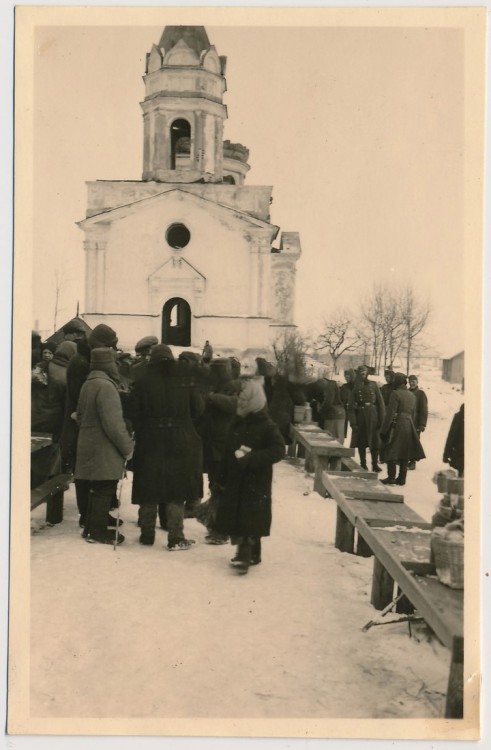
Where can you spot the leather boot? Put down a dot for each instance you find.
(401, 479)
(375, 466)
(363, 458)
(96, 527)
(391, 471)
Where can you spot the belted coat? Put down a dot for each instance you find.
(167, 463)
(400, 440)
(366, 411)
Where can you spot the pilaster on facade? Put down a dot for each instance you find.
(95, 243)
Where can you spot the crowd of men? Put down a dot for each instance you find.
(172, 421)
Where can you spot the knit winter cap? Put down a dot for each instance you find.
(251, 398)
(400, 379)
(49, 345)
(102, 336)
(66, 350)
(104, 358)
(145, 343)
(161, 353)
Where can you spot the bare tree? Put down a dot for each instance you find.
(290, 350)
(414, 314)
(338, 336)
(61, 283)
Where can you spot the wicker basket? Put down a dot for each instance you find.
(447, 547)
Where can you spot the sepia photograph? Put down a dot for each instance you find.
(248, 246)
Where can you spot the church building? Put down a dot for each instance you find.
(188, 253)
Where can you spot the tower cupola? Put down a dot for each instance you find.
(183, 111)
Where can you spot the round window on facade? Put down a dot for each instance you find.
(177, 236)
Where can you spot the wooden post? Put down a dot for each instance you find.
(454, 706)
(382, 586)
(335, 463)
(54, 508)
(320, 465)
(345, 533)
(362, 548)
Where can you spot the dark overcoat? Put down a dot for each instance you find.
(366, 411)
(454, 444)
(281, 406)
(219, 413)
(421, 411)
(167, 463)
(400, 439)
(245, 503)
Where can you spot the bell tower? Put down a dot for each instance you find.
(183, 111)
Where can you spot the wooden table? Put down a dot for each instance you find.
(325, 451)
(402, 556)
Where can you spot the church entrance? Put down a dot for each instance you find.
(176, 322)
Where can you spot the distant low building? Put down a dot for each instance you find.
(453, 369)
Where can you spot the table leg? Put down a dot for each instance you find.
(345, 533)
(54, 508)
(454, 707)
(382, 586)
(362, 548)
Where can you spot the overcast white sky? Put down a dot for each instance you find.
(359, 130)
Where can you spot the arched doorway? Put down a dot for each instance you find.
(176, 322)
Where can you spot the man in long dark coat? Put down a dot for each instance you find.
(366, 413)
(453, 453)
(421, 411)
(166, 466)
(399, 433)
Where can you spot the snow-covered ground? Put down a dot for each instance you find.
(142, 632)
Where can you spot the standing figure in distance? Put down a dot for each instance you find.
(366, 413)
(207, 354)
(421, 413)
(398, 432)
(388, 386)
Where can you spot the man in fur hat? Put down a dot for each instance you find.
(104, 443)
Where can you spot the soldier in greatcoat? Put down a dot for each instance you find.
(421, 411)
(366, 413)
(399, 433)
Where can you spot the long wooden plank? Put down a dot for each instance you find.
(358, 488)
(362, 473)
(376, 510)
(49, 488)
(320, 442)
(441, 607)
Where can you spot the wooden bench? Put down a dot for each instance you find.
(320, 448)
(399, 539)
(47, 489)
(51, 492)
